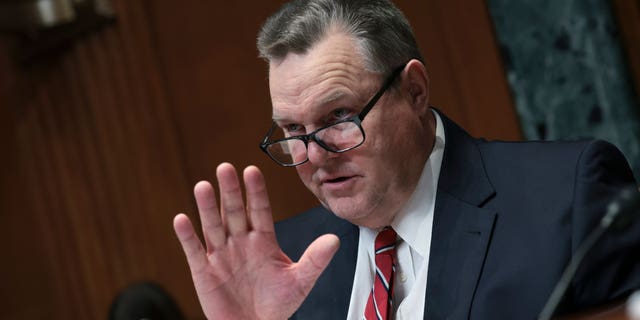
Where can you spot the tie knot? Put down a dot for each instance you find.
(385, 240)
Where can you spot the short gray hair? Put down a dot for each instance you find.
(382, 33)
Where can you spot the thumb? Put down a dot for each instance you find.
(315, 259)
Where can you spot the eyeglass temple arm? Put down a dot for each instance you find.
(266, 137)
(382, 90)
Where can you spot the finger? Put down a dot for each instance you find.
(212, 228)
(315, 259)
(233, 213)
(191, 245)
(258, 207)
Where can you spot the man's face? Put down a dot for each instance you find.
(370, 184)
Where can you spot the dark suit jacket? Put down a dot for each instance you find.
(508, 217)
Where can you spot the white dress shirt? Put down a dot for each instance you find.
(413, 224)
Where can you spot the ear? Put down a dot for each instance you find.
(415, 83)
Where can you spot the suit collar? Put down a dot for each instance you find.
(463, 174)
(461, 228)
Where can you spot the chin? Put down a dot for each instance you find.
(348, 208)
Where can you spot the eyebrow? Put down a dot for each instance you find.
(334, 96)
(328, 99)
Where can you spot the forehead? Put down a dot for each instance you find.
(332, 69)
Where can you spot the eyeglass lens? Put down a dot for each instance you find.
(336, 138)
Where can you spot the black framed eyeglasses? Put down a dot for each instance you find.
(338, 137)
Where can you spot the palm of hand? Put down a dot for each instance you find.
(250, 274)
(243, 273)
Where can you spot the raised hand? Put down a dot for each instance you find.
(241, 272)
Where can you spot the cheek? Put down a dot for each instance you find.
(382, 144)
(385, 132)
(305, 172)
(391, 148)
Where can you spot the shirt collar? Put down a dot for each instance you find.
(412, 222)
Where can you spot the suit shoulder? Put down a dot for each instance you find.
(307, 221)
(553, 166)
(296, 233)
(548, 154)
(602, 160)
(540, 148)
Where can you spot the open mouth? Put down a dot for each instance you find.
(336, 180)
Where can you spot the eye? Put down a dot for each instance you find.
(293, 129)
(340, 114)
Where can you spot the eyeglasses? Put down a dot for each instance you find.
(338, 137)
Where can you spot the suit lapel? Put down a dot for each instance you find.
(330, 297)
(461, 228)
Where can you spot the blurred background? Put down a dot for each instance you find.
(111, 110)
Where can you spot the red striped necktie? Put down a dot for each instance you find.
(380, 303)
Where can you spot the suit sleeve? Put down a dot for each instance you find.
(611, 271)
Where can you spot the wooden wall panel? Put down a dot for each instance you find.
(467, 77)
(23, 250)
(103, 172)
(627, 13)
(220, 90)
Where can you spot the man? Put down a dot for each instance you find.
(471, 229)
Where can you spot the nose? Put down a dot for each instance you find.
(318, 155)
